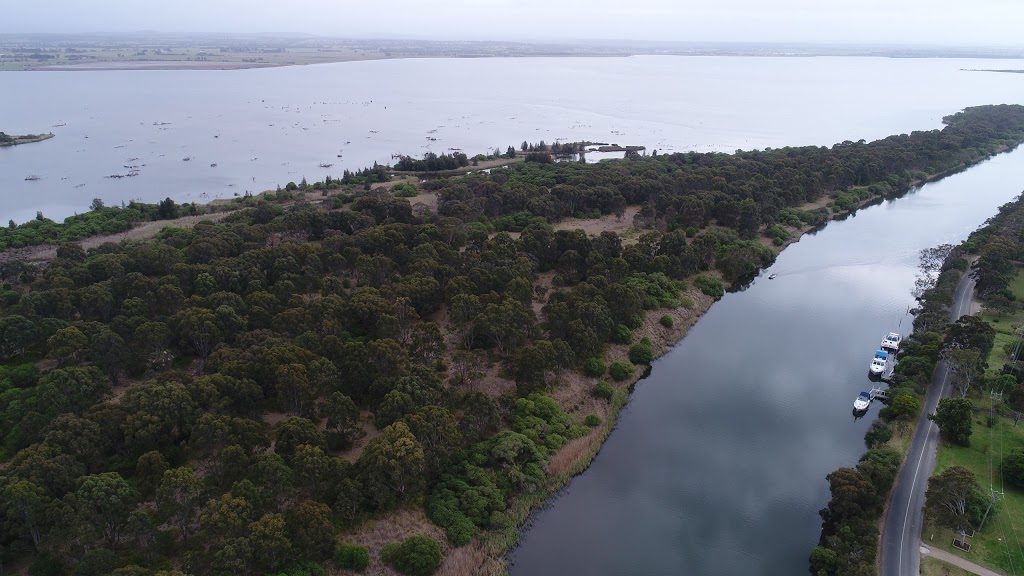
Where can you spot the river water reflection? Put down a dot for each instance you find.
(718, 462)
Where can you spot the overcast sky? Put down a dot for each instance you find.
(955, 22)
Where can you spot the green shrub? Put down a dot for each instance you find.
(686, 302)
(620, 370)
(404, 190)
(352, 557)
(592, 420)
(594, 367)
(666, 321)
(641, 353)
(879, 433)
(603, 390)
(622, 334)
(710, 286)
(417, 556)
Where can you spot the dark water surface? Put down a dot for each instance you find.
(263, 127)
(718, 462)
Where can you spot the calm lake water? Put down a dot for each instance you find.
(718, 462)
(268, 126)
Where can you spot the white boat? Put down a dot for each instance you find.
(878, 362)
(891, 342)
(772, 276)
(862, 402)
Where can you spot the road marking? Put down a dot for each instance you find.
(913, 484)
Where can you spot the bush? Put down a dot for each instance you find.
(641, 353)
(710, 286)
(592, 420)
(603, 390)
(404, 190)
(622, 334)
(666, 321)
(621, 370)
(594, 367)
(352, 557)
(879, 433)
(417, 556)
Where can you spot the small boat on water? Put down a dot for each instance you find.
(892, 342)
(32, 178)
(878, 362)
(772, 276)
(862, 402)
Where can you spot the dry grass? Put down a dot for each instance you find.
(470, 560)
(396, 527)
(359, 444)
(594, 226)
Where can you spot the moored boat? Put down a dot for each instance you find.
(862, 402)
(878, 362)
(891, 341)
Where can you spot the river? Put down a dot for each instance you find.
(718, 462)
(264, 127)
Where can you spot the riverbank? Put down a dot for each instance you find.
(7, 140)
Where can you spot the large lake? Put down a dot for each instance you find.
(263, 127)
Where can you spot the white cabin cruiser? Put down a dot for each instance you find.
(891, 342)
(878, 362)
(862, 402)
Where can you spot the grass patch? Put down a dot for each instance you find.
(935, 567)
(1001, 545)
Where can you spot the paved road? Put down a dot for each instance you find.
(901, 533)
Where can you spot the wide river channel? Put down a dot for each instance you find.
(718, 462)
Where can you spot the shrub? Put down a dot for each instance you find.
(352, 557)
(620, 370)
(404, 190)
(879, 433)
(1013, 468)
(667, 321)
(594, 367)
(603, 390)
(417, 556)
(592, 420)
(641, 353)
(622, 334)
(710, 286)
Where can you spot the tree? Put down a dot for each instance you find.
(17, 333)
(294, 391)
(149, 472)
(26, 505)
(904, 404)
(198, 330)
(342, 416)
(271, 548)
(159, 414)
(312, 531)
(392, 466)
(104, 502)
(224, 517)
(68, 345)
(965, 365)
(435, 430)
(953, 417)
(294, 432)
(178, 499)
(954, 499)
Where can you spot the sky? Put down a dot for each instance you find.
(936, 22)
